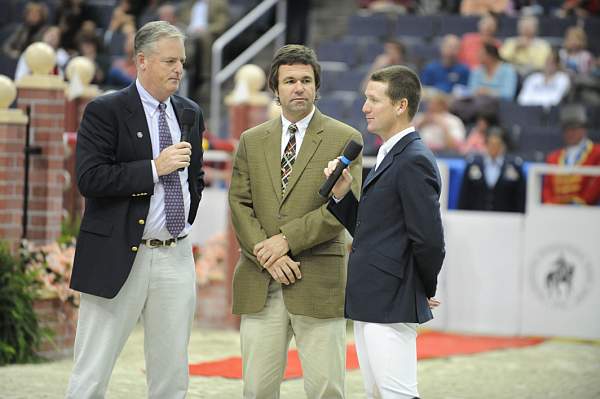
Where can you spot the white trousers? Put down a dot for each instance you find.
(161, 290)
(387, 355)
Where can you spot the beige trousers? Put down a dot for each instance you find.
(161, 290)
(265, 337)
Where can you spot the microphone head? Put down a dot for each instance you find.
(188, 116)
(352, 150)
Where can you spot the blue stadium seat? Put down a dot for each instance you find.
(411, 25)
(510, 113)
(457, 25)
(553, 26)
(328, 80)
(349, 80)
(369, 25)
(339, 51)
(507, 27)
(535, 144)
(332, 106)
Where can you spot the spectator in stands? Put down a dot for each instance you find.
(123, 70)
(121, 17)
(472, 43)
(439, 129)
(574, 55)
(390, 6)
(35, 18)
(51, 37)
(205, 21)
(579, 150)
(70, 16)
(526, 52)
(495, 180)
(446, 74)
(546, 88)
(579, 8)
(493, 77)
(475, 142)
(483, 7)
(394, 53)
(88, 47)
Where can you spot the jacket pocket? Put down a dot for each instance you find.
(96, 226)
(386, 264)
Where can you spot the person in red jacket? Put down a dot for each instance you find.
(579, 150)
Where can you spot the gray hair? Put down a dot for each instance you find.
(147, 36)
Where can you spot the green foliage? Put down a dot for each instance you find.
(20, 333)
(69, 229)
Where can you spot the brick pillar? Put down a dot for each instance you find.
(44, 95)
(250, 112)
(12, 142)
(73, 202)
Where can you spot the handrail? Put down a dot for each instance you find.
(218, 75)
(534, 184)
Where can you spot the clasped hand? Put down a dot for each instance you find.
(271, 253)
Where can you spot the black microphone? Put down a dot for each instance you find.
(187, 121)
(350, 153)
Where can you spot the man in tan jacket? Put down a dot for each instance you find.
(291, 274)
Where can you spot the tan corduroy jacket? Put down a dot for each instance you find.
(259, 211)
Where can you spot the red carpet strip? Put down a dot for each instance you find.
(429, 345)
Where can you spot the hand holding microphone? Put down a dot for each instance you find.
(187, 121)
(338, 168)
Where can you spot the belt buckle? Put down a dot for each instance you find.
(150, 245)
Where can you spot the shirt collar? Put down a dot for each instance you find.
(150, 103)
(498, 161)
(302, 124)
(392, 141)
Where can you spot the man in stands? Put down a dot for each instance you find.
(579, 150)
(446, 73)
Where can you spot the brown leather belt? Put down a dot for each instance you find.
(154, 243)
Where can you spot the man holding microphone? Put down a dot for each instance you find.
(398, 246)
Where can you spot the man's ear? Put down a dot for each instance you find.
(141, 61)
(402, 106)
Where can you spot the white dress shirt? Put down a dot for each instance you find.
(302, 125)
(492, 169)
(390, 143)
(155, 225)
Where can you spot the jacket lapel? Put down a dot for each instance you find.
(137, 124)
(272, 150)
(389, 158)
(310, 143)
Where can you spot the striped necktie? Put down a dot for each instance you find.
(289, 156)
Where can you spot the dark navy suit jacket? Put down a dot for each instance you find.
(398, 246)
(114, 174)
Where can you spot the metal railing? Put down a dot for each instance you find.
(220, 74)
(535, 177)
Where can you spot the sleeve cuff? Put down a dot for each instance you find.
(154, 172)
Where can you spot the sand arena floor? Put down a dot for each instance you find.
(554, 369)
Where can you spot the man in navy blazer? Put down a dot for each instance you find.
(398, 246)
(142, 184)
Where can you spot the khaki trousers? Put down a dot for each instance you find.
(161, 290)
(265, 337)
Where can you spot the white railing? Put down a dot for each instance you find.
(535, 179)
(220, 74)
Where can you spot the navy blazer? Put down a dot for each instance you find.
(114, 174)
(398, 246)
(507, 195)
